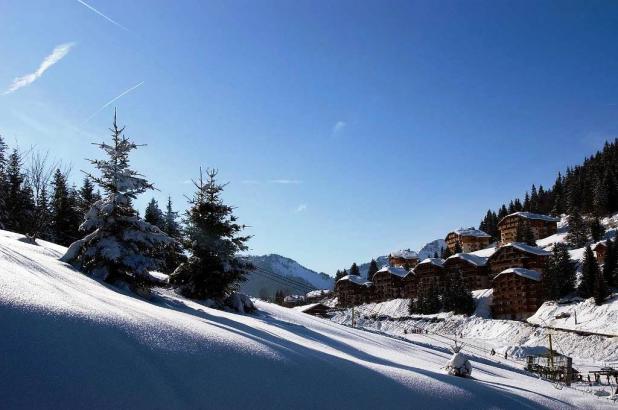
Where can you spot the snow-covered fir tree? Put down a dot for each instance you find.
(87, 196)
(213, 239)
(119, 247)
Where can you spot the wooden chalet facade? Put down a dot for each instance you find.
(541, 226)
(518, 255)
(353, 290)
(600, 249)
(429, 273)
(474, 270)
(388, 283)
(410, 285)
(405, 258)
(470, 240)
(517, 294)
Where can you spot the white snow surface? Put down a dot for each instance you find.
(71, 342)
(532, 215)
(472, 232)
(524, 273)
(470, 258)
(394, 270)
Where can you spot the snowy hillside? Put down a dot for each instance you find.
(71, 342)
(431, 248)
(259, 284)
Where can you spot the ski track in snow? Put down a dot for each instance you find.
(69, 341)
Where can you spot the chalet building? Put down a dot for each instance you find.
(315, 309)
(541, 226)
(517, 294)
(353, 290)
(429, 272)
(410, 285)
(470, 240)
(293, 300)
(404, 257)
(388, 283)
(473, 269)
(600, 249)
(317, 295)
(518, 255)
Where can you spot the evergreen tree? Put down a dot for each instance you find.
(120, 244)
(446, 252)
(373, 268)
(64, 213)
(354, 269)
(578, 231)
(3, 183)
(600, 291)
(338, 275)
(153, 214)
(565, 268)
(590, 274)
(18, 199)
(213, 269)
(597, 230)
(524, 234)
(173, 253)
(87, 197)
(534, 199)
(279, 297)
(42, 216)
(611, 263)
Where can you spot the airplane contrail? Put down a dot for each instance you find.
(111, 101)
(103, 15)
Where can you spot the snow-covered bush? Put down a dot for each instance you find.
(119, 245)
(458, 365)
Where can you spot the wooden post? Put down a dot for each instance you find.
(551, 353)
(569, 371)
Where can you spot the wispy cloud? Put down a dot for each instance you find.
(285, 181)
(125, 92)
(58, 54)
(103, 15)
(338, 127)
(300, 208)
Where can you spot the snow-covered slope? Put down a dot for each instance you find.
(302, 278)
(71, 342)
(431, 248)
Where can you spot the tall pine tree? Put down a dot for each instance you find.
(119, 247)
(373, 268)
(213, 240)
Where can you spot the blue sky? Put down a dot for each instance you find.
(345, 128)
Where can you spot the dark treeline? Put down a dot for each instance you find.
(590, 188)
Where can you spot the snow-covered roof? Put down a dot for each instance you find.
(485, 253)
(602, 243)
(470, 258)
(317, 293)
(305, 308)
(404, 254)
(526, 273)
(471, 232)
(531, 215)
(524, 247)
(356, 280)
(293, 298)
(434, 261)
(394, 270)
